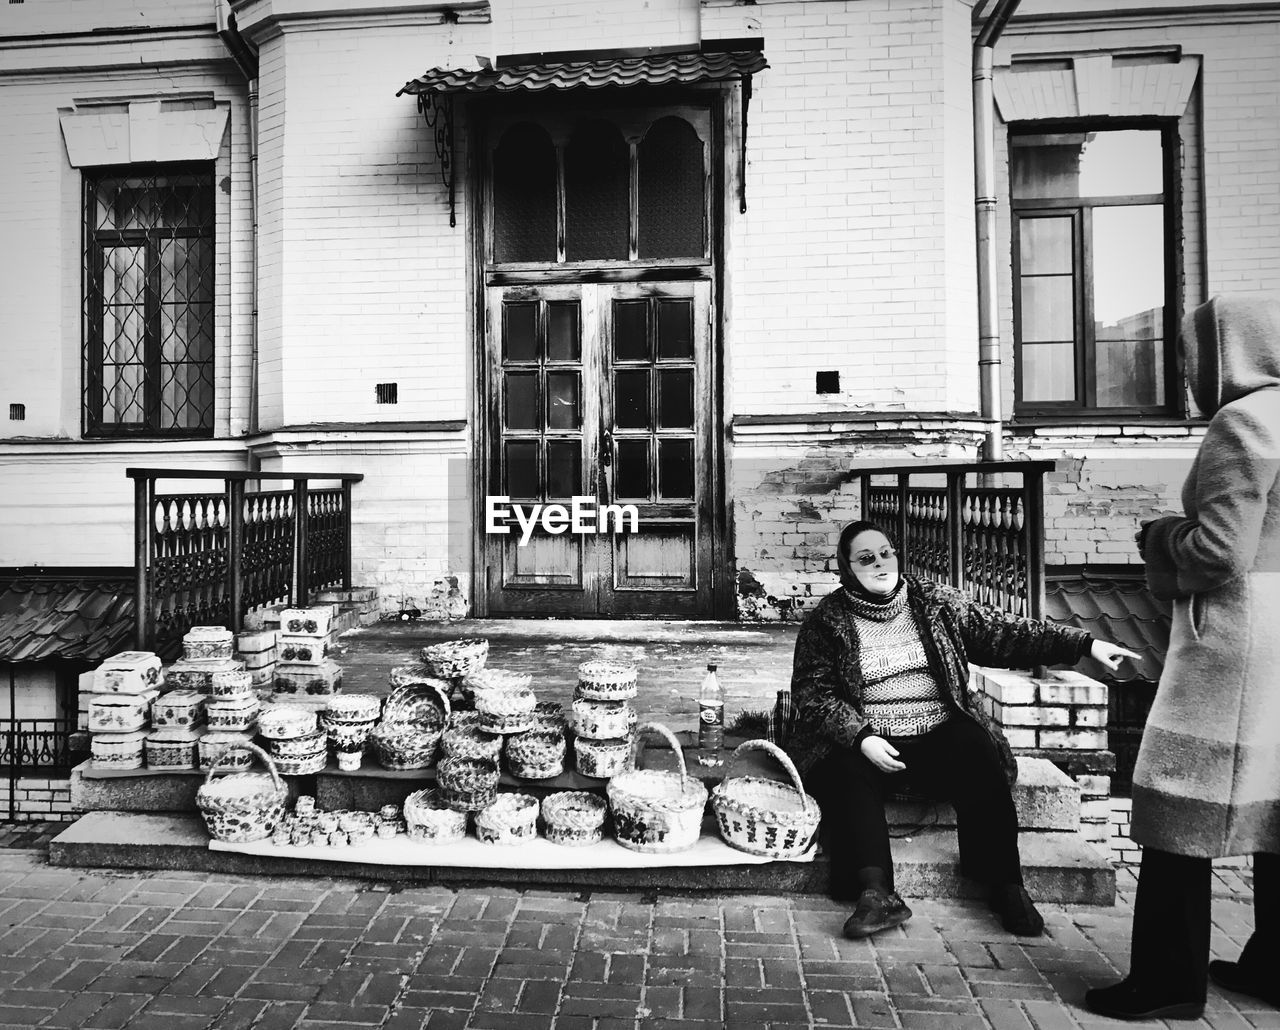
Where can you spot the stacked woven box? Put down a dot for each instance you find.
(301, 668)
(603, 719)
(117, 709)
(177, 726)
(206, 650)
(293, 739)
(257, 650)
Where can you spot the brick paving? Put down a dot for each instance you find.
(103, 950)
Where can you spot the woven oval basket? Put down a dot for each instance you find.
(535, 755)
(607, 681)
(762, 816)
(454, 659)
(497, 679)
(242, 806)
(601, 759)
(511, 819)
(574, 817)
(656, 811)
(506, 711)
(434, 821)
(467, 784)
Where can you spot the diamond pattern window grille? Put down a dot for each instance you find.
(149, 264)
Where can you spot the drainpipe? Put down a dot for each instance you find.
(246, 59)
(984, 165)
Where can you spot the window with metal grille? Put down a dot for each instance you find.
(149, 275)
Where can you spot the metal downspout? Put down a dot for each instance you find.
(984, 165)
(247, 61)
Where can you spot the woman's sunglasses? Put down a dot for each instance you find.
(869, 557)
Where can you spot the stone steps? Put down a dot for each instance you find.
(1059, 867)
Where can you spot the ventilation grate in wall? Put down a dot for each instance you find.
(17, 412)
(828, 382)
(387, 393)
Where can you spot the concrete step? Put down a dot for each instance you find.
(1045, 798)
(1058, 867)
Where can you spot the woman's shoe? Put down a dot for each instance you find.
(1016, 910)
(1127, 1001)
(877, 910)
(1230, 976)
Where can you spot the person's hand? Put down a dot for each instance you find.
(880, 753)
(1110, 655)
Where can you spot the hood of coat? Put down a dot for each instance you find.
(1231, 347)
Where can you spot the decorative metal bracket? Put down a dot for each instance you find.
(437, 110)
(742, 150)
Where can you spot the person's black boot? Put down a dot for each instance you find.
(877, 910)
(1232, 976)
(1016, 910)
(1126, 1000)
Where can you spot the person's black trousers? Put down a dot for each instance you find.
(1171, 923)
(956, 762)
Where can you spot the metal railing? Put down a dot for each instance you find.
(209, 558)
(984, 537)
(33, 747)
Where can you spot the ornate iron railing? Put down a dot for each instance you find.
(973, 530)
(30, 744)
(208, 558)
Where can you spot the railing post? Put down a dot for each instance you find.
(1033, 527)
(955, 526)
(346, 534)
(302, 585)
(141, 562)
(904, 480)
(235, 552)
(864, 494)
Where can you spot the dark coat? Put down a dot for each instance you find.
(827, 686)
(1207, 780)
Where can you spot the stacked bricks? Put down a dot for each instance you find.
(41, 799)
(1062, 712)
(358, 606)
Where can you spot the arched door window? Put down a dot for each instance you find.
(524, 195)
(671, 185)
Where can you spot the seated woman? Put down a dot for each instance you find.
(880, 688)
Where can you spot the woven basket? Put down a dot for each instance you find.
(434, 821)
(574, 817)
(425, 701)
(496, 679)
(602, 720)
(765, 817)
(403, 675)
(511, 819)
(536, 755)
(606, 681)
(601, 759)
(411, 726)
(654, 811)
(455, 659)
(470, 742)
(242, 807)
(343, 709)
(506, 711)
(549, 715)
(467, 784)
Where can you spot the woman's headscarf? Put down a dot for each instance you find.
(847, 579)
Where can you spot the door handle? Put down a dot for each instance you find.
(606, 448)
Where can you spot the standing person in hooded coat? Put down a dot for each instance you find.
(1207, 780)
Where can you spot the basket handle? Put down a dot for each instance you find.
(252, 749)
(779, 756)
(398, 700)
(637, 747)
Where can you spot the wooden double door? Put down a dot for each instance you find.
(601, 392)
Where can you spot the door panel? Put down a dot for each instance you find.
(602, 391)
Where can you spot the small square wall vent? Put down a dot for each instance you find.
(17, 412)
(387, 393)
(828, 382)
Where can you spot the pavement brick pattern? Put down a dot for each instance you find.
(106, 950)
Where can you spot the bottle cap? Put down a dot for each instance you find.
(711, 668)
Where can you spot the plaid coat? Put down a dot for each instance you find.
(827, 686)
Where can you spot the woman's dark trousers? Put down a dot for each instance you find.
(1171, 922)
(956, 762)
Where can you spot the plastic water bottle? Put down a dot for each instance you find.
(710, 720)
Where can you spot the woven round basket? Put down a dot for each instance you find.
(549, 715)
(403, 675)
(496, 679)
(607, 681)
(243, 806)
(574, 817)
(602, 720)
(511, 819)
(455, 659)
(655, 811)
(761, 816)
(536, 754)
(601, 759)
(506, 711)
(435, 821)
(468, 741)
(425, 701)
(343, 709)
(467, 784)
(413, 720)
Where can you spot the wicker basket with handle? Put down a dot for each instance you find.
(762, 816)
(242, 806)
(656, 811)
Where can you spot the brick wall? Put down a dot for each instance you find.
(40, 799)
(1124, 851)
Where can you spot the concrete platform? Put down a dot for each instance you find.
(1059, 867)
